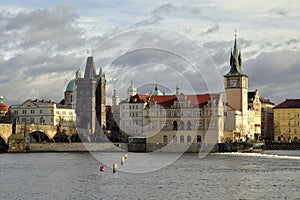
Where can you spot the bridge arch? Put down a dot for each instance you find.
(61, 137)
(3, 145)
(39, 136)
(78, 138)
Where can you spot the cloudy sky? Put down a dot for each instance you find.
(188, 43)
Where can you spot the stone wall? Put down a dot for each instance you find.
(77, 147)
(282, 146)
(181, 147)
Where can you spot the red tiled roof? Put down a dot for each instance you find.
(289, 103)
(168, 100)
(3, 105)
(197, 100)
(139, 98)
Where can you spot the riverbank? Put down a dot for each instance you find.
(76, 147)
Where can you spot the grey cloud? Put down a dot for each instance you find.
(293, 41)
(212, 29)
(169, 8)
(275, 74)
(165, 9)
(153, 20)
(51, 29)
(278, 11)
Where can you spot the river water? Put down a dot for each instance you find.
(275, 175)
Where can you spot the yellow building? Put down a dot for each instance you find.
(287, 120)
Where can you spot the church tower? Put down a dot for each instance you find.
(236, 85)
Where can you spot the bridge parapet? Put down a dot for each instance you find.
(50, 131)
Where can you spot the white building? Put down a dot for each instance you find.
(132, 115)
(44, 112)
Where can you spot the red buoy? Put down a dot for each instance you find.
(101, 168)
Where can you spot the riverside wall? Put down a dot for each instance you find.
(76, 147)
(282, 146)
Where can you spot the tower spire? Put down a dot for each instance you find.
(235, 60)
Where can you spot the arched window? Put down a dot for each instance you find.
(165, 139)
(181, 125)
(174, 138)
(189, 139)
(189, 125)
(175, 126)
(198, 138)
(181, 139)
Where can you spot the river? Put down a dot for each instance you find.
(275, 175)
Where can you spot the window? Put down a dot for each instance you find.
(165, 124)
(23, 120)
(32, 120)
(41, 111)
(71, 100)
(15, 112)
(174, 138)
(181, 125)
(181, 139)
(32, 112)
(23, 111)
(198, 138)
(57, 112)
(64, 112)
(189, 125)
(165, 139)
(175, 126)
(189, 139)
(168, 113)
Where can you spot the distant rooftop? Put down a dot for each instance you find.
(289, 103)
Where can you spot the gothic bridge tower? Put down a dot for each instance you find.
(91, 101)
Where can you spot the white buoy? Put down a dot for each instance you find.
(126, 156)
(115, 166)
(122, 160)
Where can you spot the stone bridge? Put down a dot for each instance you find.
(43, 132)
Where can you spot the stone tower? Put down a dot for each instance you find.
(101, 99)
(90, 102)
(236, 85)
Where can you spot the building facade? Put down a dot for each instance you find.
(44, 112)
(287, 120)
(267, 119)
(164, 119)
(254, 119)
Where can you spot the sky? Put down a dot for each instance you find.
(184, 43)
